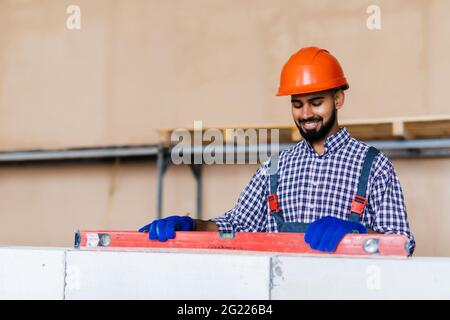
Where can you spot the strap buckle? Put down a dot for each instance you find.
(358, 205)
(273, 203)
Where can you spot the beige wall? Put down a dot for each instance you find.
(140, 65)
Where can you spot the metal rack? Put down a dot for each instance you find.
(424, 148)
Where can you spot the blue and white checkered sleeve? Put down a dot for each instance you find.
(388, 205)
(250, 212)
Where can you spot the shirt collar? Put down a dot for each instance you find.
(332, 143)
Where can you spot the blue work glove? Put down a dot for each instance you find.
(163, 229)
(326, 233)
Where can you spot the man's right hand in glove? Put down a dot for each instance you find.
(163, 229)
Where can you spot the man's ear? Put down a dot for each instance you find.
(339, 99)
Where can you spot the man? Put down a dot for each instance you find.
(315, 182)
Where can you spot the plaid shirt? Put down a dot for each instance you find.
(312, 186)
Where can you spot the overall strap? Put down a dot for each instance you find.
(272, 198)
(274, 207)
(273, 180)
(360, 199)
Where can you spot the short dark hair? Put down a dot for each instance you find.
(343, 88)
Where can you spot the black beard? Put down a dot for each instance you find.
(312, 136)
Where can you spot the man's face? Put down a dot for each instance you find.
(314, 114)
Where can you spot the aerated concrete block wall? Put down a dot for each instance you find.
(47, 273)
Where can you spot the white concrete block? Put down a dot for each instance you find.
(31, 273)
(157, 275)
(353, 278)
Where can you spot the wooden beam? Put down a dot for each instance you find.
(361, 129)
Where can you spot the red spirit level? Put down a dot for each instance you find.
(365, 245)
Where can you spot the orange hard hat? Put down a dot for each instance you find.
(310, 70)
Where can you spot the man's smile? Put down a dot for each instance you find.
(310, 125)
